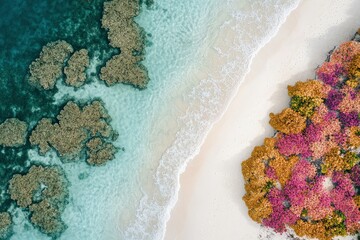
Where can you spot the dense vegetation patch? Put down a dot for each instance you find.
(307, 177)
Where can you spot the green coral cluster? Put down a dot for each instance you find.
(306, 96)
(335, 224)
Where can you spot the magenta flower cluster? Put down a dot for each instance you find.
(330, 73)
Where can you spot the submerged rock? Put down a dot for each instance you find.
(74, 128)
(125, 70)
(43, 190)
(13, 132)
(47, 217)
(123, 32)
(5, 224)
(99, 152)
(75, 69)
(46, 69)
(126, 34)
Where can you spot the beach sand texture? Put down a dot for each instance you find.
(209, 204)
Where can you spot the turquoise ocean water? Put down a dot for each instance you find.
(197, 53)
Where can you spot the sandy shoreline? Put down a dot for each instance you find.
(209, 204)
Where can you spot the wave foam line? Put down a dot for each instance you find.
(208, 103)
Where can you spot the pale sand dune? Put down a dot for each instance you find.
(210, 204)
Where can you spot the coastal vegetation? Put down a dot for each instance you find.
(307, 177)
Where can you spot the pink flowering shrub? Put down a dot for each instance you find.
(355, 175)
(293, 144)
(330, 73)
(344, 54)
(281, 215)
(321, 196)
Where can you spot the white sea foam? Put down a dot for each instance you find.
(253, 24)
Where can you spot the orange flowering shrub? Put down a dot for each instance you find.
(344, 54)
(311, 88)
(354, 68)
(288, 121)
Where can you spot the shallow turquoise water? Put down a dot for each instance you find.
(160, 128)
(25, 27)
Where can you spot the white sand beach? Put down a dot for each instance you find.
(210, 202)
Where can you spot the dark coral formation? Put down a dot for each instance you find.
(47, 216)
(126, 34)
(74, 128)
(13, 132)
(75, 69)
(43, 190)
(46, 69)
(307, 177)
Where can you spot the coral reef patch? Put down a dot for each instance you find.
(126, 34)
(76, 126)
(5, 224)
(42, 191)
(47, 68)
(75, 69)
(13, 132)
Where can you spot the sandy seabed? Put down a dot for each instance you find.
(210, 202)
